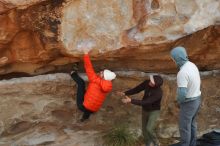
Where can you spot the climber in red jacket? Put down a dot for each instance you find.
(91, 100)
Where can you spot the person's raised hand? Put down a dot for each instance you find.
(85, 45)
(120, 93)
(86, 50)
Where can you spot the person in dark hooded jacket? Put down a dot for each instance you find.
(150, 106)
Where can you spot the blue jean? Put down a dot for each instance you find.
(187, 122)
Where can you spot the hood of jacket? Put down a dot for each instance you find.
(106, 85)
(158, 81)
(179, 55)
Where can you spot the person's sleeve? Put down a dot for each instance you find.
(136, 89)
(182, 79)
(89, 68)
(182, 83)
(147, 101)
(181, 94)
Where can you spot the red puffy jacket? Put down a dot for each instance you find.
(97, 88)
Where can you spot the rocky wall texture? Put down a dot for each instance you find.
(39, 36)
(41, 110)
(46, 36)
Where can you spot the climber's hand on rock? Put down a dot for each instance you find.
(85, 45)
(86, 50)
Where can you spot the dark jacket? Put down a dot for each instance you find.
(152, 95)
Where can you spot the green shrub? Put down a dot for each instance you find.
(120, 136)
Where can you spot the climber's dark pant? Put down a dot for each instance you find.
(80, 95)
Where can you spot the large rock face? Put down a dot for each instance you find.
(45, 113)
(39, 36)
(46, 36)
